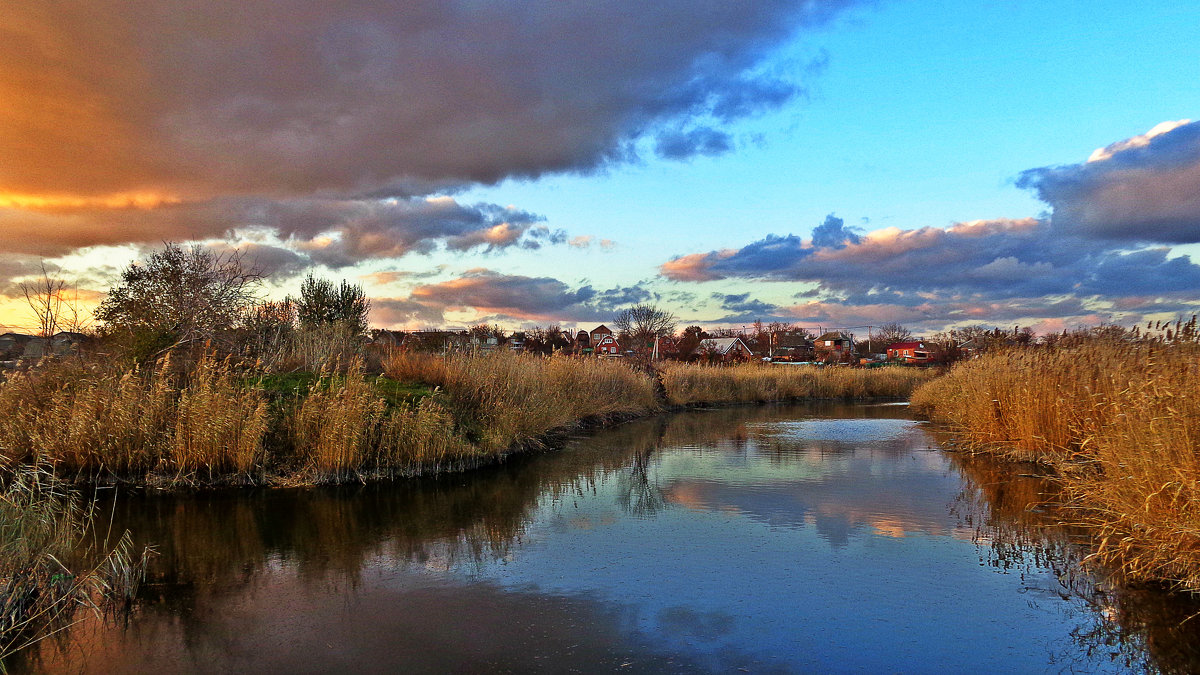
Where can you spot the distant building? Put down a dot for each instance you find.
(607, 345)
(727, 349)
(792, 346)
(599, 332)
(12, 345)
(834, 345)
(909, 352)
(67, 342)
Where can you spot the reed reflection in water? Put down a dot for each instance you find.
(791, 538)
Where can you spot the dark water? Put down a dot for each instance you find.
(819, 538)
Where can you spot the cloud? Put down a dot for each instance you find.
(833, 233)
(740, 303)
(987, 270)
(270, 261)
(201, 120)
(997, 258)
(333, 232)
(13, 267)
(388, 277)
(117, 111)
(505, 297)
(1142, 189)
(684, 144)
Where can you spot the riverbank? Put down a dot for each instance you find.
(45, 580)
(217, 422)
(1118, 420)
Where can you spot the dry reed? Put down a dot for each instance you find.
(752, 382)
(503, 399)
(1118, 419)
(103, 421)
(219, 424)
(337, 423)
(42, 524)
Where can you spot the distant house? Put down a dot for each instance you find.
(12, 345)
(599, 332)
(516, 341)
(792, 346)
(607, 345)
(909, 352)
(970, 349)
(67, 342)
(727, 349)
(834, 345)
(387, 338)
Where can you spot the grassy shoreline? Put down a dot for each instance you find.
(1118, 422)
(215, 422)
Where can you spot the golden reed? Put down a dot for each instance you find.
(1119, 421)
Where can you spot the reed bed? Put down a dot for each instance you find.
(42, 525)
(1119, 420)
(102, 421)
(503, 399)
(211, 420)
(344, 428)
(751, 382)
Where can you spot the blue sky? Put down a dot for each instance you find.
(685, 130)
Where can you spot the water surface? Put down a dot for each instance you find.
(818, 538)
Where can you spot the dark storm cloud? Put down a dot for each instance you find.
(269, 261)
(299, 103)
(207, 117)
(1142, 189)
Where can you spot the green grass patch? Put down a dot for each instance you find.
(281, 387)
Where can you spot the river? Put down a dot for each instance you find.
(808, 538)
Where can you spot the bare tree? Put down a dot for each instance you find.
(45, 298)
(890, 333)
(641, 324)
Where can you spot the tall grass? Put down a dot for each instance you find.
(693, 383)
(504, 399)
(209, 419)
(41, 525)
(1119, 420)
(337, 423)
(102, 421)
(219, 424)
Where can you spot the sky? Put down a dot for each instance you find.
(828, 163)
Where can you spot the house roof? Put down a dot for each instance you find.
(833, 335)
(602, 329)
(719, 345)
(907, 345)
